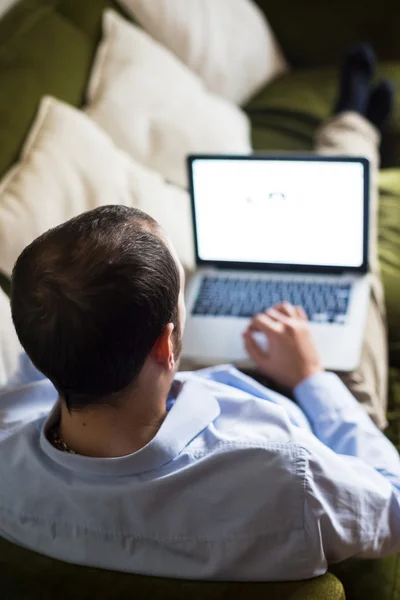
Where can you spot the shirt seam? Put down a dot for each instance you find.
(308, 491)
(305, 463)
(242, 444)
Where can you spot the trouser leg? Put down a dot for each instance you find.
(351, 134)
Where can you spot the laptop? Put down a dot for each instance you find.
(269, 229)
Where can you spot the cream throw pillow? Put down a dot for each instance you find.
(69, 165)
(154, 107)
(16, 370)
(229, 43)
(10, 348)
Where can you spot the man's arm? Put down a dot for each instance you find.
(340, 423)
(352, 492)
(351, 507)
(337, 419)
(353, 483)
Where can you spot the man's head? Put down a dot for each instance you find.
(94, 299)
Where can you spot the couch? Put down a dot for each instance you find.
(47, 47)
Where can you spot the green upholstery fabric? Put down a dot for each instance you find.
(46, 47)
(318, 32)
(370, 579)
(286, 113)
(5, 284)
(393, 431)
(25, 575)
(389, 254)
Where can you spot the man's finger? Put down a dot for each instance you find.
(279, 317)
(265, 324)
(301, 313)
(287, 309)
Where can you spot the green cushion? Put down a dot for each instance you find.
(87, 15)
(393, 431)
(389, 253)
(318, 32)
(5, 284)
(286, 113)
(370, 579)
(46, 47)
(27, 575)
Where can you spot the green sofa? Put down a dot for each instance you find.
(47, 47)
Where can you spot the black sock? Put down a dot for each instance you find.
(355, 79)
(381, 103)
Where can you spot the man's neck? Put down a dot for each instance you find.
(111, 431)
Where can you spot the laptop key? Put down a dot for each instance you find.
(340, 319)
(320, 317)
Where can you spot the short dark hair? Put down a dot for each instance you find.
(90, 298)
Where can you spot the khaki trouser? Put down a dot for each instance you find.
(350, 134)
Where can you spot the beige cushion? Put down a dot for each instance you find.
(16, 371)
(154, 107)
(10, 348)
(229, 43)
(69, 165)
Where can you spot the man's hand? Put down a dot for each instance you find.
(291, 356)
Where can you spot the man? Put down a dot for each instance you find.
(204, 475)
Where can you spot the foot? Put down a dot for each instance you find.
(355, 80)
(381, 103)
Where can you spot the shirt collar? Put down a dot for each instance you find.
(194, 409)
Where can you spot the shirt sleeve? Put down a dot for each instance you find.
(350, 509)
(338, 420)
(24, 373)
(24, 404)
(352, 492)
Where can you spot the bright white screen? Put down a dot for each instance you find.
(289, 212)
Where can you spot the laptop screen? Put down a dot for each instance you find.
(292, 212)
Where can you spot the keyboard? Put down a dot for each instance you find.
(324, 302)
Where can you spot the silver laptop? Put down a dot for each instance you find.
(275, 228)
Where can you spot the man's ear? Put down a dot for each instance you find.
(163, 349)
